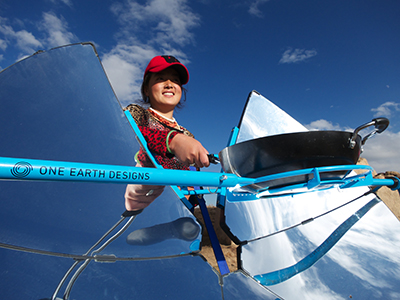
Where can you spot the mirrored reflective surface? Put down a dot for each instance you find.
(317, 244)
(362, 265)
(239, 285)
(262, 118)
(68, 239)
(174, 278)
(59, 105)
(268, 215)
(30, 276)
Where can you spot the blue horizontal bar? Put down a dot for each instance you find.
(312, 171)
(46, 170)
(33, 169)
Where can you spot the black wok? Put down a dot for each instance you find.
(295, 151)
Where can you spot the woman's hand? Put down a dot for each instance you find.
(189, 151)
(139, 196)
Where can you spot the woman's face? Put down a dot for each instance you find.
(164, 90)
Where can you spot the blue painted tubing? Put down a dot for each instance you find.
(44, 170)
(221, 196)
(282, 275)
(33, 169)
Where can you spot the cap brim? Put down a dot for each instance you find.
(183, 73)
(181, 69)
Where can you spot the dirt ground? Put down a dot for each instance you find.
(229, 248)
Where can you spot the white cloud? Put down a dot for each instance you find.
(163, 21)
(322, 125)
(25, 43)
(3, 45)
(254, 10)
(21, 39)
(386, 109)
(66, 2)
(57, 30)
(296, 55)
(166, 25)
(124, 65)
(27, 40)
(381, 150)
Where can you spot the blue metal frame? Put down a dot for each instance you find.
(140, 138)
(46, 170)
(221, 198)
(34, 169)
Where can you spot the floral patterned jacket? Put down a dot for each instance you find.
(157, 131)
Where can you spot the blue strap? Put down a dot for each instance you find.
(219, 255)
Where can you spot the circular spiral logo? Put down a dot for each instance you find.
(21, 169)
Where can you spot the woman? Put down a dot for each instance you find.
(172, 145)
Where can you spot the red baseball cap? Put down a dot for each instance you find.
(160, 63)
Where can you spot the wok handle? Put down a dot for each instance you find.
(380, 125)
(213, 159)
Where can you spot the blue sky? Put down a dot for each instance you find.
(329, 64)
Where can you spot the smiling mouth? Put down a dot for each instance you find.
(168, 94)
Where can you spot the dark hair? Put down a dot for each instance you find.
(146, 99)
